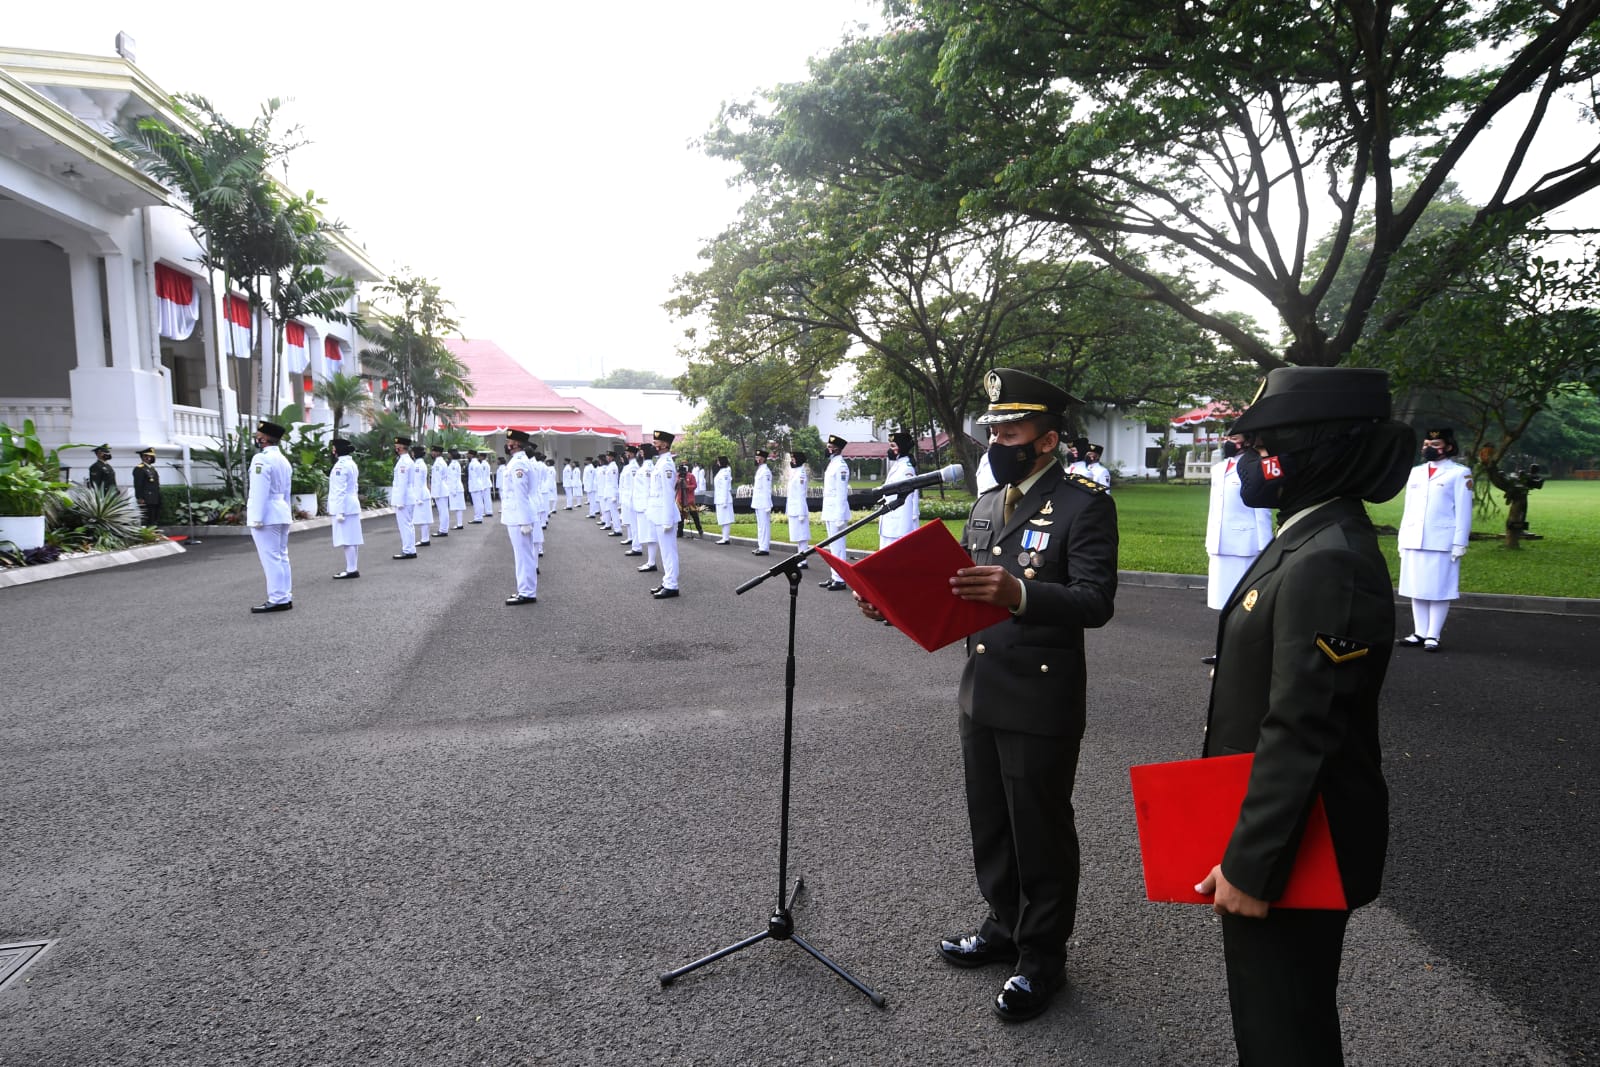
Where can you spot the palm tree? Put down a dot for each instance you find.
(346, 394)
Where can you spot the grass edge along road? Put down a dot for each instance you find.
(1162, 529)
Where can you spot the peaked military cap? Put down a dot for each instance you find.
(519, 436)
(662, 437)
(1292, 395)
(147, 450)
(1015, 394)
(763, 453)
(102, 448)
(436, 448)
(271, 429)
(1443, 433)
(402, 441)
(837, 442)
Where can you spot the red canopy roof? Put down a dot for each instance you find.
(1216, 411)
(506, 394)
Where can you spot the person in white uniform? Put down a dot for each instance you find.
(1435, 528)
(1235, 533)
(344, 504)
(905, 518)
(625, 477)
(796, 508)
(1078, 456)
(400, 497)
(761, 503)
(500, 480)
(701, 485)
(518, 514)
(607, 481)
(722, 498)
(268, 515)
(664, 514)
(439, 487)
(477, 485)
(421, 501)
(835, 501)
(458, 490)
(1094, 470)
(590, 501)
(644, 531)
(569, 482)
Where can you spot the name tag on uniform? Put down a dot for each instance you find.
(980, 524)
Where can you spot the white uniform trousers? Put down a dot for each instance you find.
(478, 496)
(272, 545)
(626, 518)
(838, 549)
(764, 530)
(442, 503)
(667, 538)
(422, 518)
(527, 559)
(594, 505)
(408, 531)
(1222, 575)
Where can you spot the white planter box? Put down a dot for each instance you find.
(25, 531)
(306, 502)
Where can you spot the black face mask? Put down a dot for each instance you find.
(795, 463)
(894, 453)
(1262, 478)
(1011, 464)
(1431, 454)
(1230, 449)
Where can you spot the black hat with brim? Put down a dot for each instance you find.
(1290, 396)
(1015, 395)
(519, 436)
(271, 429)
(837, 442)
(403, 441)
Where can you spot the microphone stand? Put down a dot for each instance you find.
(780, 924)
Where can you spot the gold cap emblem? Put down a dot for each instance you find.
(991, 385)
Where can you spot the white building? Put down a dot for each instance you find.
(97, 343)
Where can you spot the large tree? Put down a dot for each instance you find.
(1214, 136)
(426, 379)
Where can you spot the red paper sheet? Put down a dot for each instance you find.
(909, 582)
(1186, 812)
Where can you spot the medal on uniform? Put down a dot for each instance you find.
(1035, 540)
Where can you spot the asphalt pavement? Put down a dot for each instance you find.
(406, 824)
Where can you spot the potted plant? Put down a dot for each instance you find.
(24, 494)
(306, 484)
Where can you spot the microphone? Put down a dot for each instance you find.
(942, 476)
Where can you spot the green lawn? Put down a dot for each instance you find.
(1162, 528)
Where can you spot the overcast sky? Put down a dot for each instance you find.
(533, 159)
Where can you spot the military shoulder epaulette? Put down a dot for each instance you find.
(1088, 485)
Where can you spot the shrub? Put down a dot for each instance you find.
(95, 518)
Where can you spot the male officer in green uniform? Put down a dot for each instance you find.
(1302, 648)
(1044, 544)
(101, 473)
(147, 486)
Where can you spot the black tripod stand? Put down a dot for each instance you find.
(780, 924)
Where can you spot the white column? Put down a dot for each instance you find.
(87, 316)
(124, 404)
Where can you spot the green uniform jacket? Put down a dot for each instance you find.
(1027, 673)
(147, 486)
(1302, 648)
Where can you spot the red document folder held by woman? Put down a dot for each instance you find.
(909, 582)
(1186, 812)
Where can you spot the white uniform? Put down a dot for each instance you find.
(550, 477)
(458, 493)
(518, 514)
(1097, 472)
(400, 490)
(606, 479)
(422, 502)
(1435, 528)
(664, 516)
(701, 485)
(1235, 533)
(478, 487)
(761, 504)
(589, 497)
(903, 519)
(836, 501)
(569, 483)
(722, 497)
(269, 516)
(439, 488)
(796, 509)
(644, 531)
(625, 516)
(344, 504)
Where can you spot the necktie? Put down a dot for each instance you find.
(1013, 494)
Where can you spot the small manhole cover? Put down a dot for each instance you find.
(15, 957)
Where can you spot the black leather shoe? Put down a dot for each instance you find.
(664, 594)
(405, 555)
(1210, 661)
(287, 605)
(834, 587)
(758, 552)
(1413, 641)
(647, 568)
(613, 533)
(974, 950)
(522, 600)
(473, 522)
(803, 565)
(825, 583)
(460, 527)
(631, 552)
(1023, 998)
(346, 574)
(441, 533)
(1430, 644)
(422, 544)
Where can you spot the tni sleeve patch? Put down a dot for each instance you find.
(1342, 649)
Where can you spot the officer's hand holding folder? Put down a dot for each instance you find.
(1186, 813)
(909, 583)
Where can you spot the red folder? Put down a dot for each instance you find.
(909, 582)
(1186, 812)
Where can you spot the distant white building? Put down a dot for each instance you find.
(109, 331)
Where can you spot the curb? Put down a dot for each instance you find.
(321, 522)
(65, 568)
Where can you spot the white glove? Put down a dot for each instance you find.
(525, 531)
(1457, 551)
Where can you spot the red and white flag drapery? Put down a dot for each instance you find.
(332, 357)
(237, 313)
(295, 350)
(177, 303)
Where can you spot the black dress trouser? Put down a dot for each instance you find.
(1283, 980)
